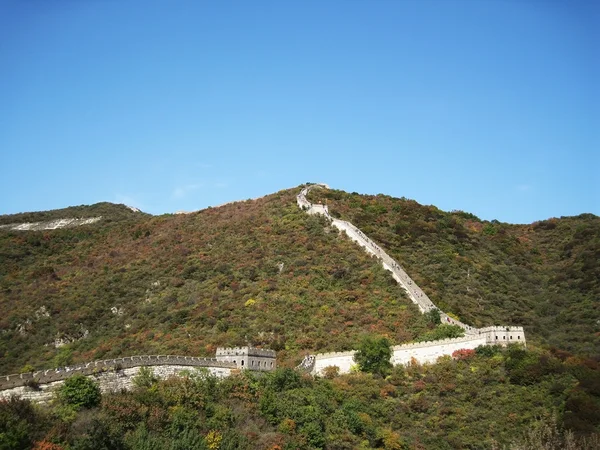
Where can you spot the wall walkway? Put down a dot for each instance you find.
(415, 293)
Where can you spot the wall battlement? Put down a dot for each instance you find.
(424, 344)
(94, 367)
(501, 328)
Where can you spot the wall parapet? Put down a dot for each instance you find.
(91, 368)
(334, 354)
(246, 350)
(413, 345)
(501, 328)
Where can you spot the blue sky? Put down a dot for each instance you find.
(491, 107)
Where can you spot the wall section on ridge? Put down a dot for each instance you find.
(429, 352)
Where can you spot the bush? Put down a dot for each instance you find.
(79, 391)
(374, 356)
(442, 332)
(144, 378)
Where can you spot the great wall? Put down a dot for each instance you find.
(424, 351)
(116, 374)
(119, 373)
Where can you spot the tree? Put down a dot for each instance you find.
(433, 316)
(374, 355)
(79, 391)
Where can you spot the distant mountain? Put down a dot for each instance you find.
(265, 273)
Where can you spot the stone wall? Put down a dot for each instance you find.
(422, 352)
(429, 352)
(415, 293)
(109, 381)
(343, 360)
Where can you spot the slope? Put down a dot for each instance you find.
(259, 272)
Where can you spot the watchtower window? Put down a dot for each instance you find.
(511, 337)
(518, 337)
(496, 337)
(242, 362)
(504, 337)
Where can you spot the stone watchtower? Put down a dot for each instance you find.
(250, 358)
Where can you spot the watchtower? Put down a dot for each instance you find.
(250, 358)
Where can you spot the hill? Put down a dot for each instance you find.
(109, 211)
(260, 271)
(265, 273)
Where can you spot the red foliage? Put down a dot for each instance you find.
(463, 354)
(45, 445)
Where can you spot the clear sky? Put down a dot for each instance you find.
(491, 107)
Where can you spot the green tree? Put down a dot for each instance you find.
(442, 332)
(433, 316)
(79, 391)
(374, 355)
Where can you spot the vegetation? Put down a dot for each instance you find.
(490, 398)
(79, 391)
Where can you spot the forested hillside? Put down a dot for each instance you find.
(260, 272)
(544, 276)
(265, 273)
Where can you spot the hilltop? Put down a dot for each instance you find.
(263, 272)
(109, 211)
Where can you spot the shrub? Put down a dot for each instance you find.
(145, 378)
(442, 332)
(374, 355)
(79, 391)
(331, 372)
(463, 353)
